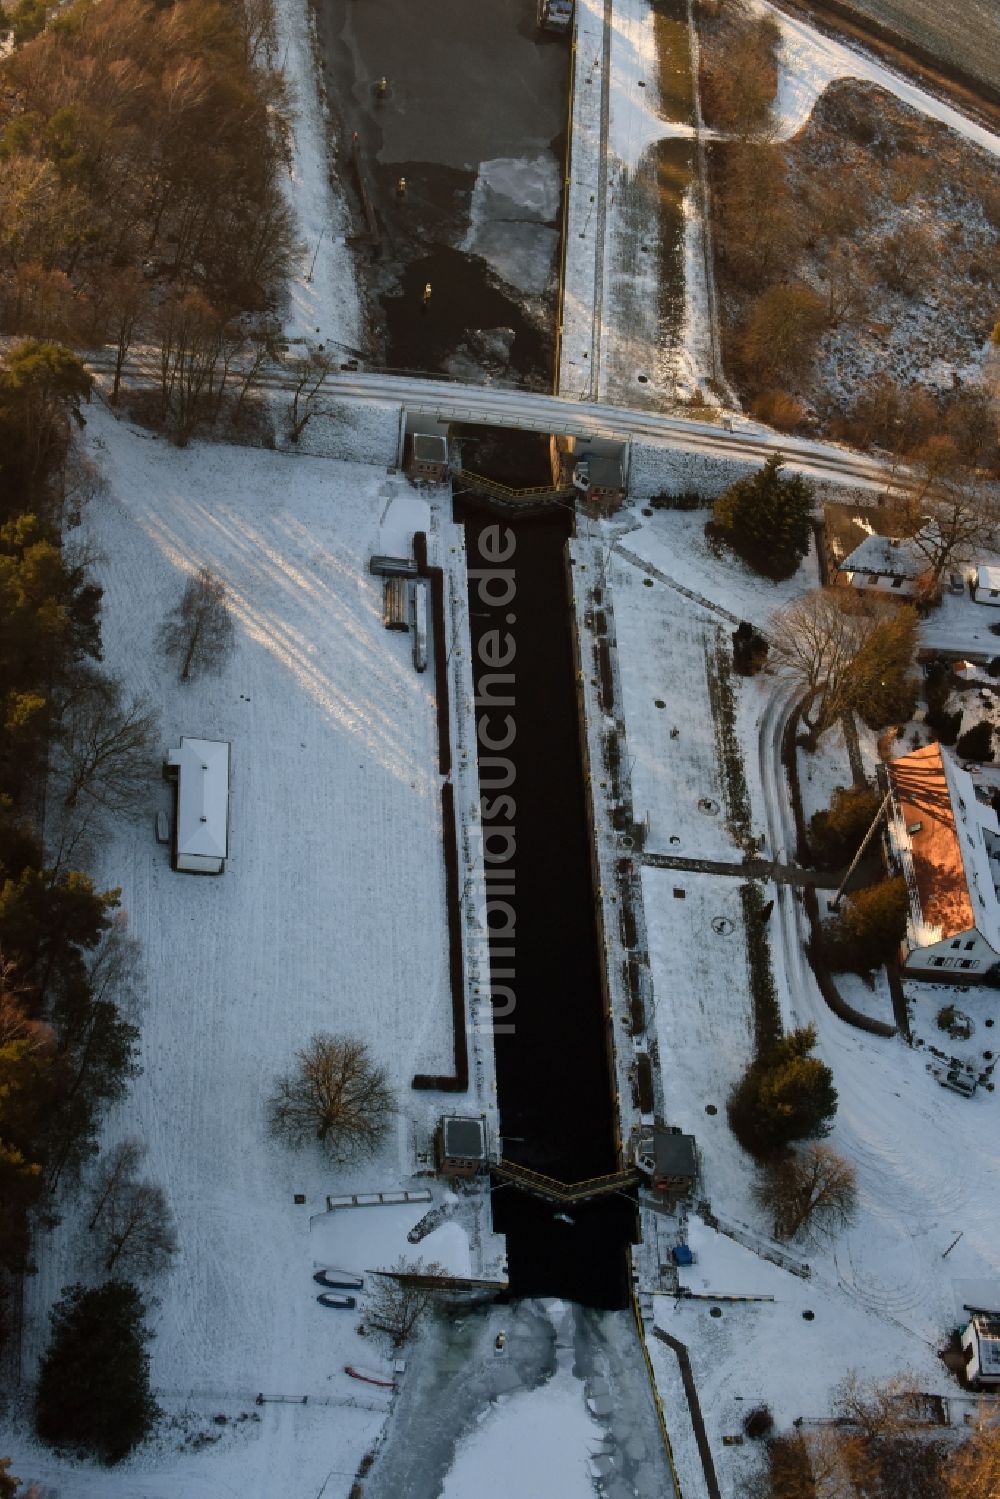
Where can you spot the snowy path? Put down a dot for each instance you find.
(323, 300)
(808, 61)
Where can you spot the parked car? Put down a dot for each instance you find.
(956, 583)
(340, 1280)
(338, 1302)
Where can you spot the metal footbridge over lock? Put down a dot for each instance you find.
(552, 1190)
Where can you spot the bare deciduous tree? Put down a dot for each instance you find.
(973, 1472)
(396, 1305)
(309, 376)
(103, 748)
(199, 632)
(119, 1166)
(842, 651)
(951, 515)
(336, 1095)
(129, 303)
(812, 1191)
(191, 337)
(877, 1407)
(131, 1218)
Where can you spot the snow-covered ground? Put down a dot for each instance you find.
(323, 303)
(614, 330)
(747, 1353)
(674, 542)
(884, 1298)
(663, 645)
(808, 61)
(330, 916)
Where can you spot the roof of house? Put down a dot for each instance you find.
(987, 577)
(944, 833)
(987, 1333)
(846, 527)
(603, 471)
(202, 797)
(465, 1138)
(674, 1154)
(430, 447)
(886, 556)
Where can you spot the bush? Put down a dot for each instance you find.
(836, 834)
(944, 724)
(869, 930)
(779, 409)
(893, 701)
(688, 499)
(785, 1095)
(93, 1390)
(976, 743)
(766, 519)
(946, 1017)
(781, 332)
(759, 1423)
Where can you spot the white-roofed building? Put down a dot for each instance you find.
(200, 772)
(888, 564)
(987, 589)
(981, 1347)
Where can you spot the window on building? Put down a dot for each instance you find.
(966, 963)
(938, 962)
(957, 943)
(897, 582)
(970, 945)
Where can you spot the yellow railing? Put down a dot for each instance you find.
(505, 491)
(664, 1433)
(558, 1191)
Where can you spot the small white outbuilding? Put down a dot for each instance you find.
(987, 589)
(200, 772)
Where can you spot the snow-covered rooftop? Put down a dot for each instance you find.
(886, 556)
(202, 767)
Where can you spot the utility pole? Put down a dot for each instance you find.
(884, 807)
(312, 264)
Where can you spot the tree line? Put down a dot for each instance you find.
(74, 748)
(141, 148)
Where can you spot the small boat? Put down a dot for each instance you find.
(338, 1302)
(340, 1280)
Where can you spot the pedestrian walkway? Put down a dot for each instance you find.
(757, 869)
(557, 1191)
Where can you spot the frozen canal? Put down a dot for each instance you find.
(473, 117)
(565, 1403)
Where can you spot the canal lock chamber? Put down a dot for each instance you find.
(555, 1090)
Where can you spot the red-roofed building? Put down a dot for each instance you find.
(946, 842)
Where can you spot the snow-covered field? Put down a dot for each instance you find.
(330, 916)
